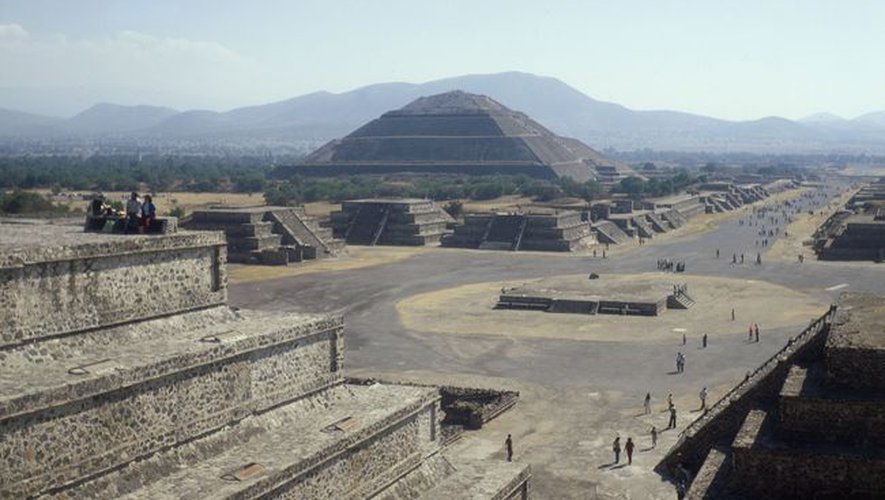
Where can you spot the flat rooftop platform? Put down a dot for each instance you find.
(601, 289)
(25, 243)
(861, 325)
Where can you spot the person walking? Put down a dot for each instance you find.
(732, 314)
(670, 401)
(647, 403)
(703, 397)
(704, 341)
(616, 449)
(654, 437)
(756, 328)
(508, 443)
(750, 333)
(683, 339)
(629, 448)
(672, 423)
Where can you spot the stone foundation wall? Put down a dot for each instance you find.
(857, 367)
(837, 420)
(51, 447)
(47, 298)
(791, 473)
(368, 466)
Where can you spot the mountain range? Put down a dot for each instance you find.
(314, 118)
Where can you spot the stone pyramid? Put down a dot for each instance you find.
(459, 133)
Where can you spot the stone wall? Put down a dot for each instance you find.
(842, 420)
(362, 468)
(85, 436)
(794, 472)
(71, 290)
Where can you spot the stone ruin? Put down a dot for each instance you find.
(561, 231)
(806, 424)
(407, 222)
(858, 231)
(458, 133)
(268, 235)
(123, 373)
(578, 295)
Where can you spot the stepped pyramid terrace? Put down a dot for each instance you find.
(459, 133)
(268, 235)
(806, 424)
(125, 374)
(402, 221)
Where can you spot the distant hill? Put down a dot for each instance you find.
(15, 122)
(321, 116)
(107, 118)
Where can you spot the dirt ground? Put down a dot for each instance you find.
(355, 258)
(469, 309)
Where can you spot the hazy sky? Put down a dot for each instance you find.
(739, 59)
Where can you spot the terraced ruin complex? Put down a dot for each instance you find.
(596, 296)
(561, 231)
(459, 133)
(858, 231)
(807, 424)
(124, 374)
(408, 222)
(268, 235)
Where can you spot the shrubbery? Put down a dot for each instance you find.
(26, 202)
(308, 189)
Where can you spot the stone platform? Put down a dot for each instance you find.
(123, 373)
(571, 294)
(268, 235)
(407, 222)
(561, 231)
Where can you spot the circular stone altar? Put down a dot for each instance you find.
(474, 309)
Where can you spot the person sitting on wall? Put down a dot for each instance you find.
(97, 213)
(148, 214)
(133, 210)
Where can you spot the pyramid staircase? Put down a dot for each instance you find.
(408, 222)
(679, 300)
(268, 235)
(657, 223)
(609, 232)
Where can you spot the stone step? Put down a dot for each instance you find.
(764, 463)
(492, 479)
(813, 410)
(106, 397)
(609, 232)
(712, 475)
(346, 442)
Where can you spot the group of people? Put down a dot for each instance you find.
(671, 266)
(139, 215)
